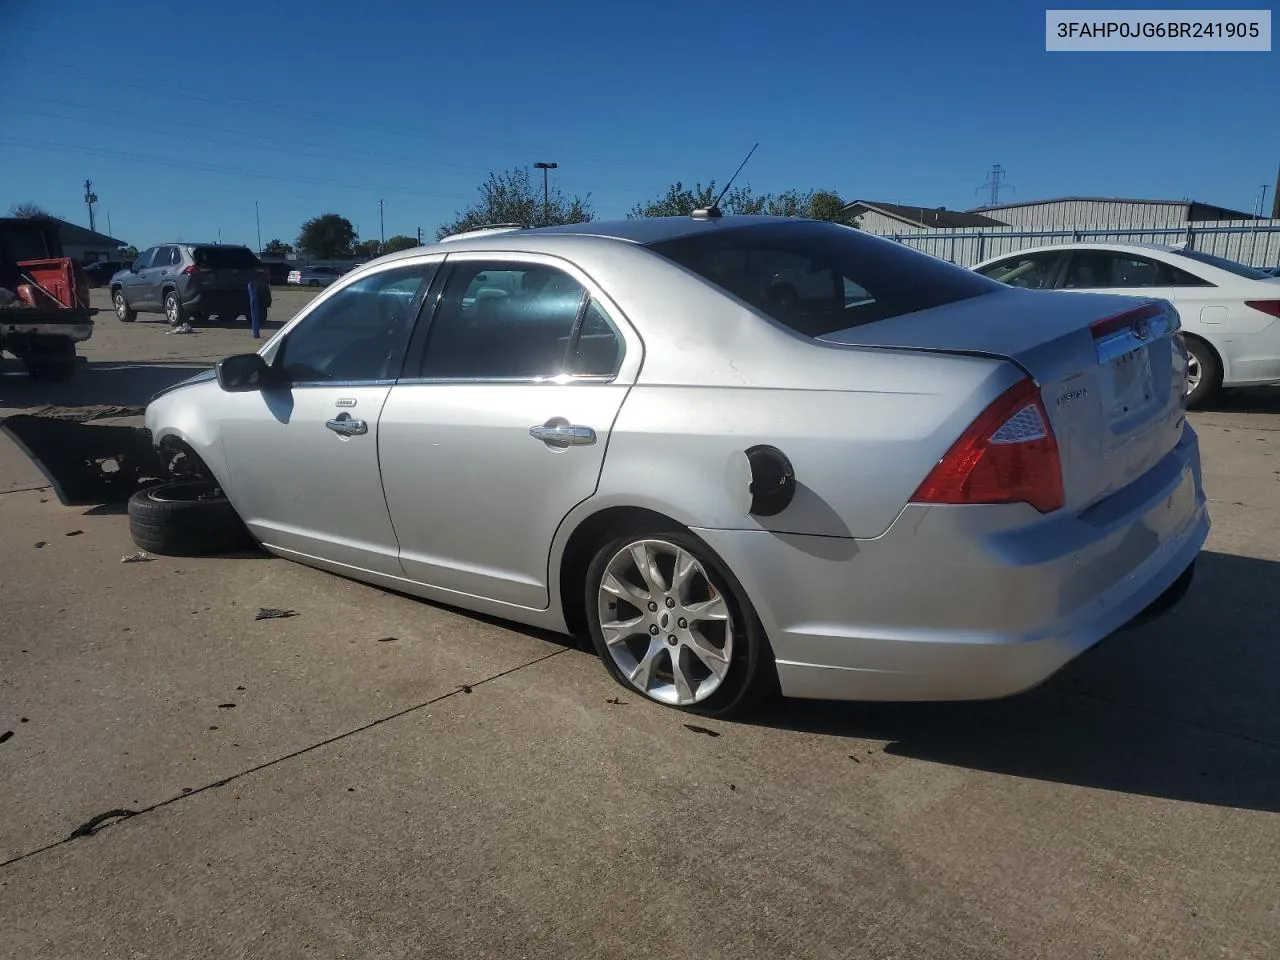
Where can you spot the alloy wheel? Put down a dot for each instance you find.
(1194, 373)
(122, 307)
(171, 309)
(666, 626)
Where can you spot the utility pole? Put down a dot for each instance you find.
(546, 201)
(90, 198)
(1275, 199)
(382, 227)
(258, 223)
(110, 232)
(419, 236)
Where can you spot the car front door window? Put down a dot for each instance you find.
(1034, 271)
(1102, 271)
(360, 333)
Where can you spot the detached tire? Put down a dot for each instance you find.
(186, 518)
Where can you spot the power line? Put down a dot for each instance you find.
(292, 112)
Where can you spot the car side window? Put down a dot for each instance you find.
(1180, 278)
(597, 348)
(361, 332)
(1091, 271)
(144, 259)
(508, 321)
(174, 256)
(1034, 271)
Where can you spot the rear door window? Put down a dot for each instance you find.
(817, 278)
(1101, 270)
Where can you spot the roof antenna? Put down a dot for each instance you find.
(713, 212)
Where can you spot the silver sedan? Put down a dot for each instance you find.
(740, 454)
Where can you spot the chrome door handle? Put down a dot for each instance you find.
(563, 435)
(344, 426)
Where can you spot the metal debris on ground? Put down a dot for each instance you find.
(703, 730)
(40, 544)
(618, 701)
(89, 828)
(185, 328)
(139, 557)
(74, 533)
(274, 613)
(5, 736)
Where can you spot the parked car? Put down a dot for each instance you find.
(909, 483)
(190, 282)
(100, 272)
(278, 271)
(1228, 311)
(315, 276)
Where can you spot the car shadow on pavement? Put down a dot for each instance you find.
(100, 383)
(1184, 707)
(1245, 400)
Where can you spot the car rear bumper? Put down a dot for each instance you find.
(219, 301)
(952, 604)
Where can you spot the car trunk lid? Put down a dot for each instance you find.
(1111, 372)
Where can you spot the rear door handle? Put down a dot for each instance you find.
(555, 434)
(345, 426)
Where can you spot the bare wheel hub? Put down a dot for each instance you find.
(666, 626)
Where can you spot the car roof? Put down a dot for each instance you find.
(640, 231)
(1139, 248)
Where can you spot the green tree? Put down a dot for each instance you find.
(129, 253)
(30, 211)
(327, 237)
(277, 248)
(367, 249)
(678, 201)
(399, 242)
(513, 197)
(827, 205)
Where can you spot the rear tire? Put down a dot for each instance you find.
(1204, 373)
(124, 312)
(683, 637)
(186, 518)
(51, 362)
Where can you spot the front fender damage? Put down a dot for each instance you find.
(86, 464)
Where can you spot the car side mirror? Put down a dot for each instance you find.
(243, 373)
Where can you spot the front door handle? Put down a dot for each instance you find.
(559, 434)
(345, 426)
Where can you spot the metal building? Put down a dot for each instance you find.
(1069, 213)
(884, 219)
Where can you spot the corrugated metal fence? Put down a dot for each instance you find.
(1252, 242)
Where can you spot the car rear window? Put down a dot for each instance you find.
(225, 258)
(1239, 269)
(817, 278)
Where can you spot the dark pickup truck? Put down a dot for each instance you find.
(44, 299)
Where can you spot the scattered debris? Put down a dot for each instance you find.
(140, 557)
(184, 328)
(213, 728)
(703, 730)
(40, 544)
(274, 613)
(186, 789)
(465, 688)
(226, 706)
(23, 719)
(5, 736)
(90, 827)
(351, 789)
(44, 499)
(75, 533)
(386, 639)
(618, 701)
(854, 759)
(733, 786)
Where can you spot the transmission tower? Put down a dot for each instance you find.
(996, 182)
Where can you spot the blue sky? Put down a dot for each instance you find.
(185, 114)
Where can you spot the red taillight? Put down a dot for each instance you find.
(1008, 455)
(1109, 325)
(190, 271)
(1269, 307)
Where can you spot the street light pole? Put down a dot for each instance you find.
(258, 223)
(382, 226)
(546, 202)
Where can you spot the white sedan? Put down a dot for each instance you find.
(1229, 312)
